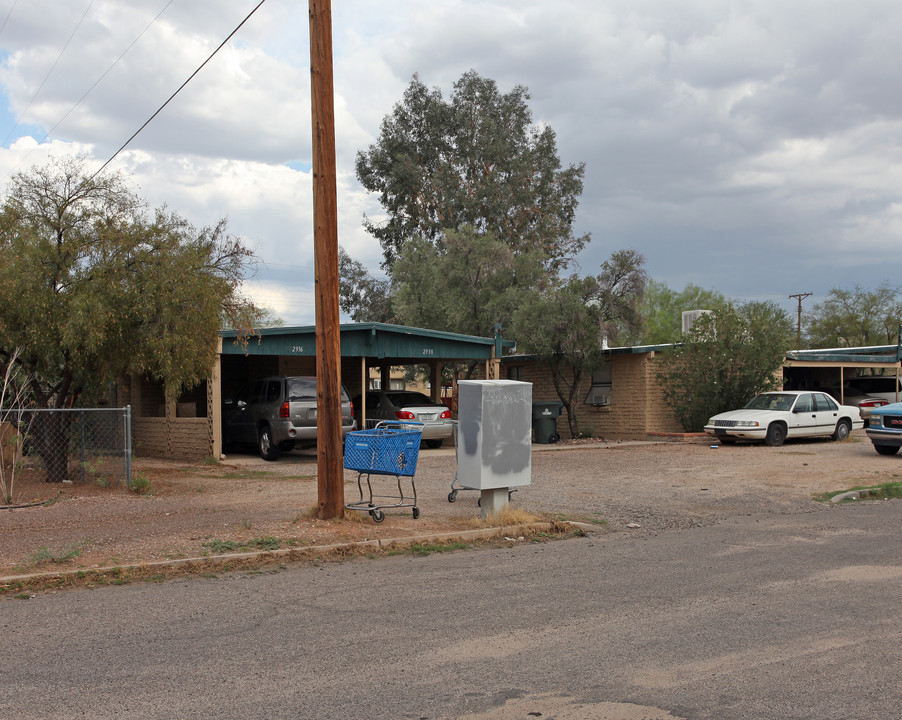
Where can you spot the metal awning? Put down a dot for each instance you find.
(382, 341)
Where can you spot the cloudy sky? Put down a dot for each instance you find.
(753, 148)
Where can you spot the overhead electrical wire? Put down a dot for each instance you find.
(6, 19)
(180, 88)
(106, 72)
(49, 72)
(98, 81)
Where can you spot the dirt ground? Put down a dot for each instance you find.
(193, 510)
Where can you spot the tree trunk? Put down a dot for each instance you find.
(567, 394)
(49, 437)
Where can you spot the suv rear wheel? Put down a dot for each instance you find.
(268, 449)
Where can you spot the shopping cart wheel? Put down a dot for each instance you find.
(377, 515)
(452, 496)
(416, 513)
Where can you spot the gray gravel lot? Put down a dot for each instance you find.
(662, 486)
(640, 488)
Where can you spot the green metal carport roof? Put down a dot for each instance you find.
(371, 340)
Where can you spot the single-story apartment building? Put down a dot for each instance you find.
(623, 400)
(190, 427)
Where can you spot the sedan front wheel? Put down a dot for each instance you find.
(776, 434)
(843, 428)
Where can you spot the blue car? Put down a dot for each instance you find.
(885, 428)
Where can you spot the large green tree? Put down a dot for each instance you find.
(475, 159)
(93, 286)
(361, 295)
(855, 318)
(726, 359)
(473, 283)
(566, 325)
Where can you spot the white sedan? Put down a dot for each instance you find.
(775, 416)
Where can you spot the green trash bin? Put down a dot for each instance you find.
(544, 421)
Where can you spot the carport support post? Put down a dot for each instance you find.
(435, 378)
(330, 466)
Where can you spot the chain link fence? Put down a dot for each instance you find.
(77, 445)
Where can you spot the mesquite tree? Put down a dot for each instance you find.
(93, 286)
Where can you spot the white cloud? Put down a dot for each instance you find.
(742, 147)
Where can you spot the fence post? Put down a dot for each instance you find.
(84, 459)
(128, 445)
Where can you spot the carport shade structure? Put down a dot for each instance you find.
(292, 351)
(814, 369)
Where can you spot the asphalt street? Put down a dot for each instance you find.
(770, 616)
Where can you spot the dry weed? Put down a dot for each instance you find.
(507, 516)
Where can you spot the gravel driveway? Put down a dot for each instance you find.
(641, 488)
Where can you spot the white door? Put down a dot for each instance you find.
(804, 418)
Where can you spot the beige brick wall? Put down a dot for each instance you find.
(637, 402)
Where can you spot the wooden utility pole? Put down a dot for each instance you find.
(330, 466)
(800, 296)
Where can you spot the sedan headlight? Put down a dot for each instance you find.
(746, 423)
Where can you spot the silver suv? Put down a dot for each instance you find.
(274, 413)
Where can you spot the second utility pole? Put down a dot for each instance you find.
(800, 296)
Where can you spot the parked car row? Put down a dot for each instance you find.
(275, 414)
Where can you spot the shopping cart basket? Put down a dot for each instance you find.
(389, 449)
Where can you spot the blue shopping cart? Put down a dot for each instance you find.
(389, 449)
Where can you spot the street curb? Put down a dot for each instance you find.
(303, 553)
(850, 495)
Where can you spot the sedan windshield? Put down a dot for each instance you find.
(776, 401)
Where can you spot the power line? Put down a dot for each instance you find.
(49, 72)
(106, 72)
(98, 81)
(180, 88)
(6, 19)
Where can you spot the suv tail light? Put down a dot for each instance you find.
(352, 409)
(284, 411)
(405, 415)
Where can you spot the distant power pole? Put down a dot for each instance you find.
(329, 467)
(800, 296)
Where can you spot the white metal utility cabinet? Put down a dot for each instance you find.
(494, 440)
(389, 449)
